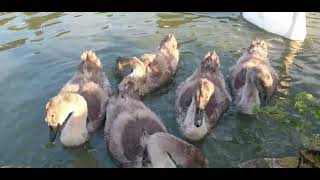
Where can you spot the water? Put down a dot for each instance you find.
(40, 51)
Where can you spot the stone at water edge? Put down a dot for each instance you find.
(313, 143)
(311, 152)
(287, 162)
(310, 158)
(11, 166)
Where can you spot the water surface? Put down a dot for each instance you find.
(39, 52)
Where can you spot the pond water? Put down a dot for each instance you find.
(40, 51)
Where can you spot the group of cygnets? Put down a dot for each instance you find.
(135, 136)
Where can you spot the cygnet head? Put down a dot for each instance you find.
(210, 62)
(169, 42)
(59, 109)
(261, 77)
(258, 48)
(204, 91)
(89, 63)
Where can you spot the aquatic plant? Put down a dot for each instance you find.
(301, 112)
(311, 152)
(298, 112)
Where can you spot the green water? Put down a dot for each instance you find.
(40, 51)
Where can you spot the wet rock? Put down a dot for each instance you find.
(311, 158)
(313, 143)
(311, 152)
(12, 166)
(287, 162)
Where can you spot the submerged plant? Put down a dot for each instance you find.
(301, 112)
(313, 143)
(311, 152)
(297, 112)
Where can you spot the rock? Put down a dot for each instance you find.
(11, 166)
(287, 162)
(311, 158)
(313, 143)
(311, 152)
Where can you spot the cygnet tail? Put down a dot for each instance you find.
(91, 57)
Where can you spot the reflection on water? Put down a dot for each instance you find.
(287, 59)
(12, 44)
(60, 34)
(36, 22)
(84, 157)
(39, 52)
(5, 20)
(30, 13)
(293, 48)
(31, 23)
(173, 19)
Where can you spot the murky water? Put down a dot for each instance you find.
(40, 51)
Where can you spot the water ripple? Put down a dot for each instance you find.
(35, 71)
(6, 20)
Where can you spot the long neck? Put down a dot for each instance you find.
(190, 130)
(175, 53)
(169, 52)
(249, 97)
(168, 151)
(189, 120)
(75, 131)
